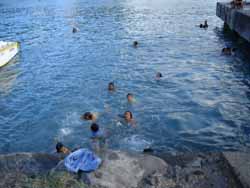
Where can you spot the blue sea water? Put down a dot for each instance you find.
(202, 103)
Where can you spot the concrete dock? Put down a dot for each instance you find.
(238, 20)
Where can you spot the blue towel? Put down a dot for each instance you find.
(82, 159)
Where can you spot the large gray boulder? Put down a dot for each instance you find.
(27, 163)
(124, 170)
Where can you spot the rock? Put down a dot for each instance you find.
(124, 170)
(27, 163)
(17, 170)
(240, 163)
(196, 163)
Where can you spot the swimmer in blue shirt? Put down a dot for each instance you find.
(95, 132)
(98, 138)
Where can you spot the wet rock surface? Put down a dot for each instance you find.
(121, 169)
(240, 163)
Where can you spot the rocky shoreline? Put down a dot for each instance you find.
(127, 170)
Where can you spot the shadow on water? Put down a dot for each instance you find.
(241, 69)
(232, 39)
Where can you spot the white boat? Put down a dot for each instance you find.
(8, 50)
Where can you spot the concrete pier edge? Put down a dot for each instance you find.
(238, 20)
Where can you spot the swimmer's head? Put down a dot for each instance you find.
(111, 86)
(60, 148)
(130, 97)
(94, 127)
(135, 43)
(128, 116)
(87, 116)
(159, 75)
(74, 30)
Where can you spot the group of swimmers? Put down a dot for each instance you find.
(96, 134)
(227, 50)
(128, 116)
(205, 25)
(237, 3)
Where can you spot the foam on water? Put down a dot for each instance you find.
(136, 143)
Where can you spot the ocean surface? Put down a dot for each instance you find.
(202, 103)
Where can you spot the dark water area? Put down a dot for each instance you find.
(201, 104)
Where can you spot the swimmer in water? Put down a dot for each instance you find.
(74, 30)
(205, 25)
(111, 86)
(135, 44)
(95, 130)
(158, 75)
(130, 98)
(128, 117)
(98, 139)
(89, 116)
(60, 148)
(228, 51)
(237, 3)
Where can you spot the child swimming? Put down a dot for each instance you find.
(60, 148)
(158, 75)
(228, 51)
(98, 139)
(130, 98)
(135, 44)
(128, 117)
(111, 86)
(89, 116)
(125, 119)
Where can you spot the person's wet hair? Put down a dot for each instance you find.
(159, 75)
(111, 86)
(129, 94)
(59, 146)
(74, 30)
(130, 113)
(135, 43)
(94, 127)
(87, 116)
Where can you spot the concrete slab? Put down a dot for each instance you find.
(238, 20)
(240, 163)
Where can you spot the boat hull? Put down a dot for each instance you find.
(8, 52)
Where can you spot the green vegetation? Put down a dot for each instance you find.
(55, 180)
